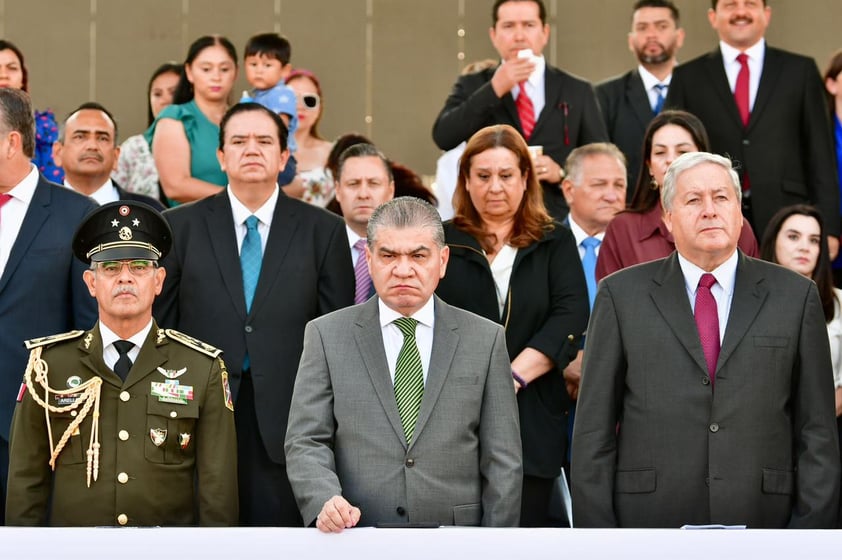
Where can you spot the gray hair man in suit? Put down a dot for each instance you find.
(707, 392)
(403, 411)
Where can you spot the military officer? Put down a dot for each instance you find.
(124, 424)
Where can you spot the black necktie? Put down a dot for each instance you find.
(124, 364)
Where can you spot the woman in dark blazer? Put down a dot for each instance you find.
(510, 263)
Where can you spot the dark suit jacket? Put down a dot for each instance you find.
(656, 445)
(306, 272)
(626, 111)
(570, 118)
(547, 309)
(787, 148)
(41, 290)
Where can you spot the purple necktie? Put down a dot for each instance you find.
(363, 280)
(707, 322)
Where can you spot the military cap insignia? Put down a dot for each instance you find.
(44, 340)
(193, 343)
(125, 233)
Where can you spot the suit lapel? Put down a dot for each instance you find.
(508, 101)
(281, 233)
(749, 294)
(768, 82)
(638, 98)
(552, 97)
(37, 213)
(369, 338)
(719, 82)
(670, 297)
(220, 231)
(445, 341)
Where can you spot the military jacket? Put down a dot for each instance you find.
(167, 445)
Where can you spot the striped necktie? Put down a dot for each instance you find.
(659, 101)
(409, 377)
(525, 111)
(363, 280)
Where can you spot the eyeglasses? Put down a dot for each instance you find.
(138, 268)
(310, 100)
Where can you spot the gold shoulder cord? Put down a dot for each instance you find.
(89, 393)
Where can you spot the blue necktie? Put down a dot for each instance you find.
(251, 257)
(589, 265)
(659, 102)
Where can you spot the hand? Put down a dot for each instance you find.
(511, 73)
(839, 401)
(547, 170)
(337, 514)
(517, 386)
(573, 376)
(832, 246)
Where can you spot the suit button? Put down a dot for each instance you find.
(125, 396)
(123, 435)
(714, 427)
(73, 413)
(410, 463)
(401, 511)
(122, 519)
(122, 478)
(249, 328)
(746, 141)
(173, 414)
(706, 380)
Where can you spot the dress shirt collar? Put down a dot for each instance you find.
(264, 213)
(103, 195)
(755, 52)
(579, 234)
(25, 190)
(725, 274)
(352, 236)
(109, 336)
(425, 315)
(649, 79)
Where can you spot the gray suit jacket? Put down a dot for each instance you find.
(344, 435)
(655, 445)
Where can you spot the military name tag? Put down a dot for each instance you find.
(172, 392)
(65, 400)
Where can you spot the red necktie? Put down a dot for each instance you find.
(707, 322)
(525, 111)
(4, 198)
(741, 89)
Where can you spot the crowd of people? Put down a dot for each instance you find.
(300, 339)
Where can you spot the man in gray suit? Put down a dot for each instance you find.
(403, 411)
(707, 392)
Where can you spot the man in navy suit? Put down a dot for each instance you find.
(41, 287)
(87, 150)
(629, 102)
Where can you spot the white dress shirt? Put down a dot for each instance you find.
(723, 290)
(579, 235)
(756, 54)
(13, 212)
(501, 270)
(110, 355)
(649, 83)
(352, 239)
(103, 195)
(393, 337)
(535, 86)
(264, 215)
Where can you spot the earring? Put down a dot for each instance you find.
(653, 184)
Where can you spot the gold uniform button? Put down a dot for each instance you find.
(173, 414)
(122, 519)
(125, 396)
(73, 413)
(123, 435)
(122, 478)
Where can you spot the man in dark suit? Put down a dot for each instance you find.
(363, 183)
(403, 410)
(249, 268)
(765, 109)
(548, 106)
(87, 150)
(629, 102)
(708, 395)
(41, 287)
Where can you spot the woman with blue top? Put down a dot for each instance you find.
(185, 136)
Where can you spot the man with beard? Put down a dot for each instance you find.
(630, 101)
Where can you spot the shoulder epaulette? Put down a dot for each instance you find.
(193, 343)
(44, 340)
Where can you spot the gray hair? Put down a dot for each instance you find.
(402, 213)
(688, 161)
(575, 161)
(16, 115)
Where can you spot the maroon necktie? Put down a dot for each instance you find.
(525, 111)
(707, 322)
(741, 89)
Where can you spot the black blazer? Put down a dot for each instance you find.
(570, 118)
(306, 272)
(626, 111)
(546, 309)
(787, 148)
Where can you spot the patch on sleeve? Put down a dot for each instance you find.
(226, 388)
(21, 391)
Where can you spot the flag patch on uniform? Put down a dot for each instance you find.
(21, 391)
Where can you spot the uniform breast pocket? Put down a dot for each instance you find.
(170, 431)
(72, 452)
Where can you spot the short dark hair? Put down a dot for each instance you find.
(542, 10)
(87, 106)
(184, 90)
(713, 4)
(676, 16)
(341, 144)
(16, 115)
(165, 68)
(8, 45)
(247, 108)
(358, 151)
(271, 45)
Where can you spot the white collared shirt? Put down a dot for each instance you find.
(264, 215)
(649, 83)
(535, 86)
(13, 213)
(110, 355)
(580, 235)
(756, 54)
(723, 290)
(103, 195)
(352, 239)
(393, 337)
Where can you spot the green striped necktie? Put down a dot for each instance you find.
(409, 377)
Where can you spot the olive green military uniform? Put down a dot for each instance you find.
(160, 463)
